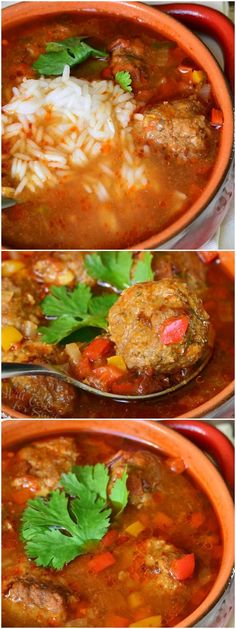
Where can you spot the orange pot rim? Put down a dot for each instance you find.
(172, 29)
(168, 441)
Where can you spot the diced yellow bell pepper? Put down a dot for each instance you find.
(135, 528)
(117, 361)
(10, 336)
(198, 76)
(152, 621)
(135, 599)
(65, 277)
(9, 267)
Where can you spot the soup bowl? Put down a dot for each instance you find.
(220, 404)
(216, 609)
(200, 222)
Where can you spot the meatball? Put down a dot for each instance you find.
(180, 127)
(144, 470)
(143, 315)
(41, 601)
(45, 395)
(129, 55)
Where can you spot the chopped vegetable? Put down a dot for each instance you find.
(70, 52)
(98, 348)
(183, 568)
(173, 330)
(74, 310)
(9, 267)
(64, 525)
(152, 621)
(135, 528)
(125, 80)
(216, 118)
(117, 361)
(198, 76)
(119, 493)
(101, 562)
(10, 336)
(114, 268)
(208, 256)
(106, 375)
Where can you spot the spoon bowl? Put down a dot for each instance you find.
(11, 370)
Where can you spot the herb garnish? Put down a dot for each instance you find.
(125, 80)
(74, 310)
(67, 524)
(70, 52)
(115, 268)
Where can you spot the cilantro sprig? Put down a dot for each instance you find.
(72, 519)
(74, 310)
(70, 52)
(115, 268)
(124, 79)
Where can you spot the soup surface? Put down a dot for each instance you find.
(151, 150)
(70, 310)
(156, 563)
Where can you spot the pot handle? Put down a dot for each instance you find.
(208, 21)
(210, 439)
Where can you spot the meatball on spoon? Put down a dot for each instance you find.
(159, 329)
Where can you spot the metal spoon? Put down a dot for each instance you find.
(7, 198)
(10, 370)
(6, 203)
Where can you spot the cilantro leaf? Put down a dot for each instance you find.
(111, 267)
(74, 310)
(143, 271)
(69, 521)
(53, 549)
(94, 477)
(61, 301)
(125, 80)
(119, 493)
(114, 268)
(70, 52)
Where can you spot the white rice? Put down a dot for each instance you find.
(53, 126)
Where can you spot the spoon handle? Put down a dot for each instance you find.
(9, 370)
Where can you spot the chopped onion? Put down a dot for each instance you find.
(205, 91)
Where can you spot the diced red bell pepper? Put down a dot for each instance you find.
(100, 562)
(109, 539)
(208, 256)
(216, 118)
(107, 73)
(173, 330)
(183, 568)
(125, 387)
(98, 348)
(104, 376)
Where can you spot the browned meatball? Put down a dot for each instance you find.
(46, 460)
(129, 55)
(180, 127)
(45, 396)
(139, 320)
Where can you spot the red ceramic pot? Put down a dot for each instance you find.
(201, 221)
(216, 609)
